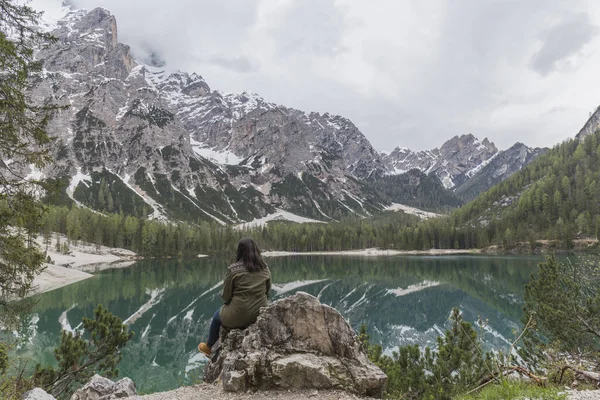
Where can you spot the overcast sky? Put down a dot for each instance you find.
(408, 73)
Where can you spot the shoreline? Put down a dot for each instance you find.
(81, 261)
(374, 252)
(85, 259)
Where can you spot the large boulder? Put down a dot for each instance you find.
(99, 388)
(296, 343)
(37, 394)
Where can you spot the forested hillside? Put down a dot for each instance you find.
(157, 239)
(415, 188)
(555, 197)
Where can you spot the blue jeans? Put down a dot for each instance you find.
(215, 327)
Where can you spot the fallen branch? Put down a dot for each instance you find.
(579, 373)
(507, 371)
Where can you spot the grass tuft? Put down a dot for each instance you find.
(515, 389)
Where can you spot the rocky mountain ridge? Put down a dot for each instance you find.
(452, 163)
(498, 168)
(463, 160)
(140, 140)
(591, 125)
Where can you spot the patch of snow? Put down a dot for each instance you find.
(266, 166)
(334, 125)
(75, 180)
(438, 330)
(220, 221)
(192, 192)
(64, 320)
(321, 211)
(221, 157)
(122, 111)
(155, 297)
(137, 71)
(246, 102)
(35, 174)
(157, 213)
(231, 205)
(412, 288)
(280, 289)
(412, 210)
(194, 301)
(399, 171)
(145, 331)
(349, 294)
(402, 329)
(323, 290)
(493, 332)
(147, 328)
(355, 198)
(279, 215)
(347, 207)
(448, 182)
(188, 315)
(363, 299)
(478, 168)
(264, 188)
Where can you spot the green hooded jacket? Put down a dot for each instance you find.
(244, 293)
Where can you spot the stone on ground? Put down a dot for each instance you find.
(296, 343)
(37, 394)
(99, 388)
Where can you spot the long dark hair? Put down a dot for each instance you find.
(249, 253)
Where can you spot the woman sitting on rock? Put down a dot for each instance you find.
(246, 289)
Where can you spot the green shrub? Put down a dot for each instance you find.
(457, 364)
(515, 389)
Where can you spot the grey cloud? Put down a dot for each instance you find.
(556, 110)
(184, 32)
(310, 27)
(239, 64)
(562, 41)
(475, 75)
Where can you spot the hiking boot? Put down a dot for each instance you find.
(204, 348)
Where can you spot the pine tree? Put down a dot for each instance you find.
(563, 304)
(22, 138)
(79, 356)
(22, 143)
(456, 364)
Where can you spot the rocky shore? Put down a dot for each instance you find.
(76, 264)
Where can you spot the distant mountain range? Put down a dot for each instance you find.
(139, 140)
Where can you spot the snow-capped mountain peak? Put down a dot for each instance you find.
(166, 145)
(451, 163)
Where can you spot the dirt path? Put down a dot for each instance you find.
(584, 395)
(212, 392)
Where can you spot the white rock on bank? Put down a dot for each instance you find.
(100, 388)
(38, 394)
(54, 277)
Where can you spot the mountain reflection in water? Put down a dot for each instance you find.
(402, 300)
